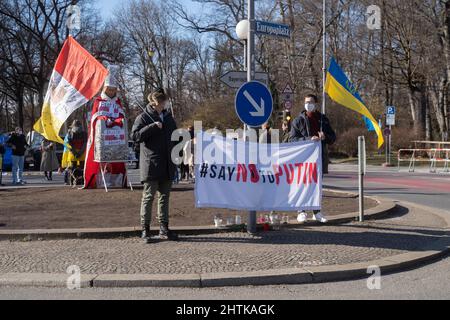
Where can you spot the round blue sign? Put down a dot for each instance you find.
(254, 104)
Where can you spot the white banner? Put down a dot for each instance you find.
(259, 177)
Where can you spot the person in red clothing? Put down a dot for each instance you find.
(107, 109)
(311, 124)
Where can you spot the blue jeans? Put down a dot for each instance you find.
(17, 168)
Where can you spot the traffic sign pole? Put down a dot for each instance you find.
(251, 223)
(324, 56)
(390, 144)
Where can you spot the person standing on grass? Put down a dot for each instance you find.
(311, 124)
(49, 162)
(18, 143)
(153, 131)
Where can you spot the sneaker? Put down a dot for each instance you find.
(302, 217)
(319, 217)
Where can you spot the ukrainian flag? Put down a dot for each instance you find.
(342, 91)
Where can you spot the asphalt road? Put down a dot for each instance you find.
(421, 187)
(428, 282)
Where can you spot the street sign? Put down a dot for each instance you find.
(236, 79)
(254, 104)
(387, 132)
(390, 110)
(390, 115)
(287, 95)
(288, 89)
(273, 29)
(288, 105)
(390, 119)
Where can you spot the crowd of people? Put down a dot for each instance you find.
(72, 158)
(151, 134)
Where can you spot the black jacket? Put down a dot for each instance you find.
(300, 130)
(20, 143)
(155, 145)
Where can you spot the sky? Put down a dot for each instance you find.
(108, 6)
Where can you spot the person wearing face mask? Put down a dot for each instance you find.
(18, 143)
(153, 131)
(311, 124)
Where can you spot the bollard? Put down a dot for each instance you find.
(361, 173)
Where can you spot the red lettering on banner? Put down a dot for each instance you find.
(312, 172)
(242, 170)
(289, 173)
(254, 176)
(305, 173)
(278, 173)
(299, 168)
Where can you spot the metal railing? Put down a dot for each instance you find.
(431, 155)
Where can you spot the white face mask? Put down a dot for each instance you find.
(310, 107)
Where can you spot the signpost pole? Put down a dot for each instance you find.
(390, 144)
(245, 69)
(324, 55)
(251, 224)
(361, 172)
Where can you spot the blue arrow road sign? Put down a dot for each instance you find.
(254, 104)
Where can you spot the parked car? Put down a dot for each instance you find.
(33, 155)
(7, 156)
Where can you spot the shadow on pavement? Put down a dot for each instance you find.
(394, 239)
(369, 235)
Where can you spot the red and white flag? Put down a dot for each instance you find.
(76, 78)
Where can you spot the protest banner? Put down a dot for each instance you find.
(250, 176)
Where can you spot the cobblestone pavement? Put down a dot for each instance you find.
(307, 246)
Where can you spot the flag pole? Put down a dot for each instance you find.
(324, 57)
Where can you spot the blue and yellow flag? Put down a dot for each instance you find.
(342, 91)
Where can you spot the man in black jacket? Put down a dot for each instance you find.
(153, 131)
(315, 126)
(18, 143)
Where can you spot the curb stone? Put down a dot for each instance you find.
(51, 280)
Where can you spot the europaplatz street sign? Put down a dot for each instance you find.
(273, 29)
(236, 79)
(254, 104)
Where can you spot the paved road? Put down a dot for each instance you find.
(422, 188)
(428, 282)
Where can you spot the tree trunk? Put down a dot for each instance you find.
(20, 104)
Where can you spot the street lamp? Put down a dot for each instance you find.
(242, 29)
(242, 33)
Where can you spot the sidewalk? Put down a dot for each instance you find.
(305, 254)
